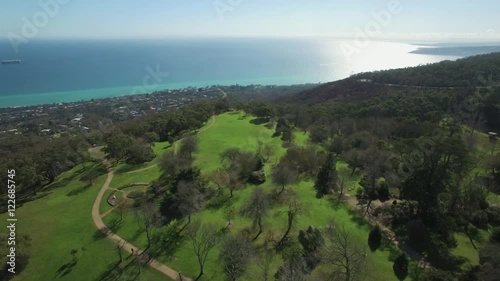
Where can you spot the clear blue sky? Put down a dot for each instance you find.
(167, 18)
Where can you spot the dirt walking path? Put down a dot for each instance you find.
(209, 126)
(143, 169)
(96, 216)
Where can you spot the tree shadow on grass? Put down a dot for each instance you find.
(357, 218)
(166, 243)
(259, 121)
(220, 201)
(335, 202)
(112, 272)
(167, 146)
(78, 190)
(98, 235)
(66, 268)
(114, 226)
(137, 234)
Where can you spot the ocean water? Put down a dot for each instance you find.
(54, 71)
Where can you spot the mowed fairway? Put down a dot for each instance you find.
(61, 222)
(236, 130)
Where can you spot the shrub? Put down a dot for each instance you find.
(495, 235)
(383, 192)
(375, 239)
(135, 194)
(480, 219)
(400, 267)
(493, 214)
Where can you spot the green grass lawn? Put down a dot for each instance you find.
(233, 130)
(466, 249)
(60, 222)
(104, 207)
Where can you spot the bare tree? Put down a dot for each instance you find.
(221, 178)
(283, 174)
(374, 167)
(256, 208)
(121, 208)
(343, 181)
(204, 238)
(293, 268)
(189, 199)
(345, 258)
(189, 145)
(235, 256)
(171, 164)
(267, 151)
(148, 218)
(294, 209)
(240, 163)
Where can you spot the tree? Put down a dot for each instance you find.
(345, 258)
(293, 268)
(148, 218)
(117, 145)
(312, 241)
(318, 133)
(336, 146)
(203, 238)
(267, 151)
(189, 199)
(305, 160)
(235, 255)
(400, 267)
(139, 152)
(151, 138)
(221, 178)
(375, 166)
(344, 177)
(294, 209)
(189, 145)
(287, 136)
(256, 208)
(489, 258)
(225, 178)
(375, 238)
(90, 176)
(326, 180)
(229, 213)
(433, 165)
(171, 164)
(352, 157)
(283, 174)
(240, 163)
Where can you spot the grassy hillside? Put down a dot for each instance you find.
(61, 222)
(238, 130)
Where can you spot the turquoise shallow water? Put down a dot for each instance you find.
(62, 71)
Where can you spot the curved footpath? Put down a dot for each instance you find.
(97, 218)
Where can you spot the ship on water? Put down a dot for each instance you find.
(11, 61)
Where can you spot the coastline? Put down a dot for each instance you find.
(48, 98)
